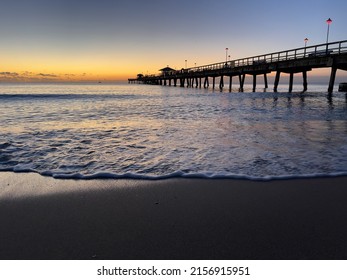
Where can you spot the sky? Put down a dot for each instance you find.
(73, 40)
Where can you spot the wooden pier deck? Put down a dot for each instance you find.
(302, 60)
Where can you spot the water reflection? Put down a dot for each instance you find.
(330, 101)
(302, 98)
(289, 102)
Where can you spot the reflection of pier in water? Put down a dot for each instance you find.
(301, 60)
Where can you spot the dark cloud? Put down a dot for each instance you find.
(9, 73)
(29, 76)
(47, 75)
(26, 76)
(27, 73)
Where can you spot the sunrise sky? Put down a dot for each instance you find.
(71, 40)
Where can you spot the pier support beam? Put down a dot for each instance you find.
(196, 82)
(242, 80)
(221, 82)
(182, 81)
(291, 79)
(332, 79)
(304, 77)
(213, 82)
(200, 82)
(265, 81)
(175, 82)
(277, 80)
(254, 82)
(206, 83)
(230, 82)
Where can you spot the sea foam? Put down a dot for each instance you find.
(153, 132)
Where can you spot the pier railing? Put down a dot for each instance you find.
(321, 50)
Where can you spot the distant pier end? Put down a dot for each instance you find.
(301, 60)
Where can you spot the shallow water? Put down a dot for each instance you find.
(143, 131)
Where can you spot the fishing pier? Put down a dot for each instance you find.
(301, 60)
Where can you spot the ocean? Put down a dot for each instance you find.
(125, 130)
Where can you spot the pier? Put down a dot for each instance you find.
(295, 61)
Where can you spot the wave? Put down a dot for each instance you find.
(173, 175)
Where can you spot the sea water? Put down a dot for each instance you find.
(148, 131)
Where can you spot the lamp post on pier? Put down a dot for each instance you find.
(305, 40)
(226, 54)
(328, 21)
(186, 64)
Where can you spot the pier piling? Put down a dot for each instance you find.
(277, 80)
(242, 80)
(304, 77)
(206, 83)
(254, 82)
(221, 82)
(291, 79)
(332, 79)
(265, 81)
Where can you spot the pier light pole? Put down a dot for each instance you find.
(186, 64)
(328, 21)
(229, 57)
(305, 40)
(226, 54)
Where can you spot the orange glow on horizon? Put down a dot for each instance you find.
(110, 75)
(36, 67)
(17, 66)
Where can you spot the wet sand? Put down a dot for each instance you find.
(46, 218)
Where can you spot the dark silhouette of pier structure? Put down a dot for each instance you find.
(301, 60)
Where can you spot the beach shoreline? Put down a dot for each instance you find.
(47, 218)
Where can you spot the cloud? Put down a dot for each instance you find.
(29, 76)
(27, 73)
(26, 76)
(47, 75)
(13, 74)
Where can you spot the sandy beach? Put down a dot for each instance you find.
(46, 218)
